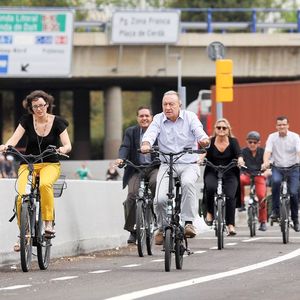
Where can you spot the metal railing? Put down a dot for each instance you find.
(263, 20)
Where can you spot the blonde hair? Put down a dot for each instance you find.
(230, 134)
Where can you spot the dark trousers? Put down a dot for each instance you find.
(130, 202)
(230, 184)
(293, 185)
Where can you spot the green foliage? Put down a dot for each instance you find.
(44, 3)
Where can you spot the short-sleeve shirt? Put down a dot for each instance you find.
(284, 150)
(253, 162)
(37, 144)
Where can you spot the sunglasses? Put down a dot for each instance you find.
(252, 142)
(221, 127)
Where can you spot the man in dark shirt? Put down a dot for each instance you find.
(253, 157)
(129, 150)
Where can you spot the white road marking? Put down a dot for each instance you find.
(15, 287)
(99, 271)
(230, 244)
(131, 266)
(199, 252)
(194, 281)
(157, 260)
(252, 239)
(213, 248)
(64, 278)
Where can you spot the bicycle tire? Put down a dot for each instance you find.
(25, 237)
(220, 224)
(43, 245)
(168, 247)
(179, 250)
(251, 220)
(149, 228)
(140, 228)
(284, 221)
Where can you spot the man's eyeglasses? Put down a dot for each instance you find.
(36, 107)
(221, 127)
(252, 142)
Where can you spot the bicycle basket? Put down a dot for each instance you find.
(59, 186)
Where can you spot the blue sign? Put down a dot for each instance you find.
(5, 39)
(3, 64)
(43, 39)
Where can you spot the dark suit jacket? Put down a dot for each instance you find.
(129, 150)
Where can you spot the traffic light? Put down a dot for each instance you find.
(224, 80)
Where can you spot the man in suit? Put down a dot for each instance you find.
(129, 150)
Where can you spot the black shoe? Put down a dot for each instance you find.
(274, 216)
(296, 226)
(262, 227)
(132, 238)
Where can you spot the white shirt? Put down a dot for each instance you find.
(284, 149)
(173, 137)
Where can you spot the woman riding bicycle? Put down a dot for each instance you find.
(222, 150)
(41, 129)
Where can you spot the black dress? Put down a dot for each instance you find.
(231, 178)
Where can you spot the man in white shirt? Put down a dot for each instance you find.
(283, 148)
(176, 129)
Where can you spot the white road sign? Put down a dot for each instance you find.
(145, 27)
(35, 43)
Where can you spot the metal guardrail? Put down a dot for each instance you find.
(255, 20)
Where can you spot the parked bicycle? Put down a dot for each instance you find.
(174, 238)
(219, 222)
(284, 209)
(31, 224)
(145, 216)
(253, 204)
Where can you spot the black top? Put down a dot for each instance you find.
(223, 158)
(36, 144)
(253, 162)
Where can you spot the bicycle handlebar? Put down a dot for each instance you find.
(220, 168)
(31, 158)
(285, 168)
(252, 172)
(138, 167)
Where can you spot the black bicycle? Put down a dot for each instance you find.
(219, 222)
(253, 204)
(284, 218)
(174, 238)
(31, 224)
(145, 216)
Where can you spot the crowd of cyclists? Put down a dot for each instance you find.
(172, 130)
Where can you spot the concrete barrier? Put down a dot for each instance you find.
(89, 216)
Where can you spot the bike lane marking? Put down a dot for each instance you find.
(99, 271)
(198, 280)
(64, 278)
(15, 287)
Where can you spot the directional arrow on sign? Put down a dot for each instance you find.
(24, 67)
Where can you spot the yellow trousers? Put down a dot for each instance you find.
(48, 173)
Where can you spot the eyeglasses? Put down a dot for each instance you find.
(252, 142)
(36, 107)
(221, 127)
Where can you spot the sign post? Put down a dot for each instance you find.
(36, 42)
(224, 78)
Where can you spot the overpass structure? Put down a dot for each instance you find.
(99, 65)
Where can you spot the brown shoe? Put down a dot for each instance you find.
(158, 237)
(189, 231)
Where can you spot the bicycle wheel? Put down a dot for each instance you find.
(25, 237)
(284, 220)
(179, 250)
(149, 222)
(140, 228)
(220, 224)
(251, 220)
(43, 244)
(168, 246)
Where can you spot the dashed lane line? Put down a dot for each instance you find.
(15, 287)
(131, 266)
(99, 271)
(64, 278)
(199, 280)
